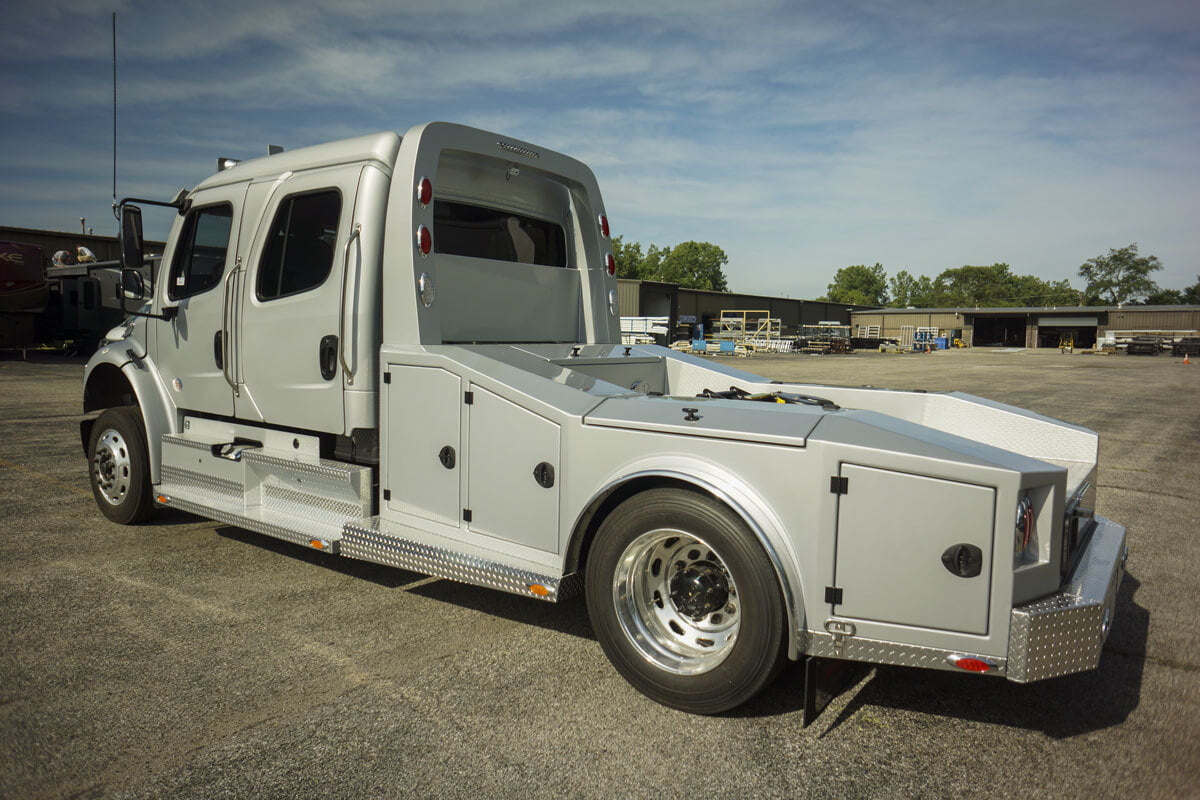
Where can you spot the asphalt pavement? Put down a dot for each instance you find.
(184, 658)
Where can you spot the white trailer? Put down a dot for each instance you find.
(407, 350)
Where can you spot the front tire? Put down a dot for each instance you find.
(119, 465)
(685, 602)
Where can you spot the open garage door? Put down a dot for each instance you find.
(1000, 331)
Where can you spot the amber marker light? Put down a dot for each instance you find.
(317, 543)
(162, 498)
(538, 589)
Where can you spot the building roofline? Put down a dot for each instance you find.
(1027, 309)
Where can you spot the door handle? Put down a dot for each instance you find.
(219, 349)
(327, 356)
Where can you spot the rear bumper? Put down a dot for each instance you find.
(1063, 633)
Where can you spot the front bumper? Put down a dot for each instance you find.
(1063, 633)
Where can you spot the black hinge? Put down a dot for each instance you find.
(468, 397)
(833, 596)
(839, 485)
(466, 515)
(387, 377)
(387, 494)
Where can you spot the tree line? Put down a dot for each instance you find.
(696, 265)
(1118, 278)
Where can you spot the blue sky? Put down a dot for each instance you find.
(799, 136)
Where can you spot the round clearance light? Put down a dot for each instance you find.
(424, 240)
(610, 264)
(604, 226)
(424, 191)
(426, 289)
(613, 302)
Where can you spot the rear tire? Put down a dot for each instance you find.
(119, 465)
(685, 602)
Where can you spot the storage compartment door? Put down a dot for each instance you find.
(424, 406)
(893, 530)
(513, 477)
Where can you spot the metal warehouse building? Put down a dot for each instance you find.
(1033, 327)
(685, 307)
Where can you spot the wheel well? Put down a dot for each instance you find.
(107, 387)
(599, 509)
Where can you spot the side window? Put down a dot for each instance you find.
(200, 255)
(299, 252)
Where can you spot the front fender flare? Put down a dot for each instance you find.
(141, 377)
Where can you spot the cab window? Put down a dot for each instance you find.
(200, 255)
(299, 251)
(460, 229)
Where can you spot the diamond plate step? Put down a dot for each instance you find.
(290, 496)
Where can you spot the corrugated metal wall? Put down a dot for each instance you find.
(629, 297)
(1152, 319)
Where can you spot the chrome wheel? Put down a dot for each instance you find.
(111, 471)
(676, 601)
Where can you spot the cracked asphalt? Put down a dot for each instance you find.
(184, 658)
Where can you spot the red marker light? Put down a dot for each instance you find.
(610, 263)
(424, 191)
(604, 226)
(972, 665)
(424, 240)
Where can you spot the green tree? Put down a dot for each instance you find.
(1120, 277)
(630, 260)
(696, 265)
(859, 285)
(911, 291)
(1165, 297)
(1191, 295)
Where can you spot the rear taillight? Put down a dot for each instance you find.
(424, 240)
(604, 226)
(610, 264)
(1025, 525)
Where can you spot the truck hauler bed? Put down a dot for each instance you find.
(407, 350)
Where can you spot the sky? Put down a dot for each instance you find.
(800, 137)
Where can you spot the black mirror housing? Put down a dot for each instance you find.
(131, 239)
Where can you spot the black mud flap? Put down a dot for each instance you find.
(825, 679)
(85, 433)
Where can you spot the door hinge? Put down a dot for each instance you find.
(469, 398)
(466, 515)
(839, 485)
(833, 596)
(387, 377)
(387, 494)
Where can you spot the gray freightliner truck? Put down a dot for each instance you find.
(406, 350)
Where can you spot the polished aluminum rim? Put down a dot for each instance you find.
(676, 601)
(110, 467)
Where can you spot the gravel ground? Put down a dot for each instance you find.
(184, 658)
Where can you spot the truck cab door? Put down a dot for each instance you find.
(287, 340)
(198, 277)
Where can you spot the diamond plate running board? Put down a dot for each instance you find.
(365, 540)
